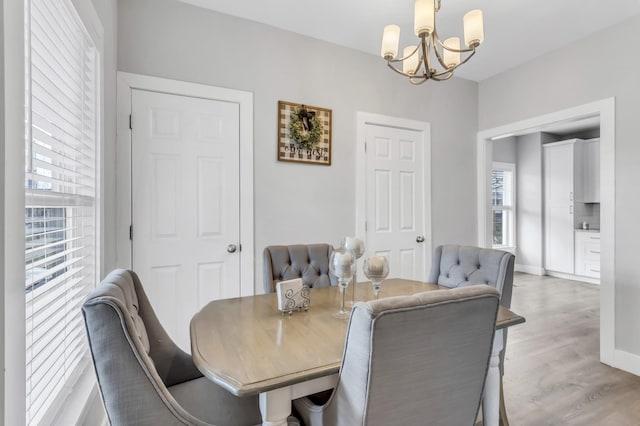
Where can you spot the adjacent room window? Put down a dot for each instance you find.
(61, 211)
(503, 196)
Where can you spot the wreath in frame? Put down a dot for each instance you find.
(305, 129)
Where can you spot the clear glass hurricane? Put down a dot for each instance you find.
(376, 268)
(356, 246)
(342, 265)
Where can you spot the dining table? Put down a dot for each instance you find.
(248, 347)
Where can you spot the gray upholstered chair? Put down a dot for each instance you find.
(412, 360)
(460, 266)
(307, 261)
(144, 378)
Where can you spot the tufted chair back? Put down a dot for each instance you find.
(461, 266)
(307, 261)
(412, 360)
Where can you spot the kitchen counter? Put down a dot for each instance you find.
(587, 230)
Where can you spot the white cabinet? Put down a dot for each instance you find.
(559, 177)
(587, 250)
(588, 171)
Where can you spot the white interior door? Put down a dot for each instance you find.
(395, 213)
(185, 204)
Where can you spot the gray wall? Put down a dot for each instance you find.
(575, 75)
(297, 203)
(3, 201)
(529, 217)
(504, 150)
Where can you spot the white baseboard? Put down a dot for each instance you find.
(573, 277)
(627, 361)
(529, 269)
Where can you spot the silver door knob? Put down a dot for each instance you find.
(231, 248)
(420, 239)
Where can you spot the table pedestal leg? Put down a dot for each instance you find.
(504, 420)
(491, 397)
(275, 406)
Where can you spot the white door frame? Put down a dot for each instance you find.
(364, 118)
(606, 109)
(126, 83)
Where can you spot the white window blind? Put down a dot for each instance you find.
(61, 184)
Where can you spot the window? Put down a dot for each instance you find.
(61, 187)
(503, 196)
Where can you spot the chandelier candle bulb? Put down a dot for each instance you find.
(425, 17)
(390, 41)
(451, 59)
(473, 28)
(410, 64)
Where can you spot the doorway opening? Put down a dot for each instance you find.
(604, 112)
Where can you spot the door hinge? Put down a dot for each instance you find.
(130, 121)
(365, 146)
(131, 232)
(365, 226)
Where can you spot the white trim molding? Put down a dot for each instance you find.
(364, 118)
(12, 300)
(606, 110)
(529, 269)
(128, 82)
(627, 361)
(571, 277)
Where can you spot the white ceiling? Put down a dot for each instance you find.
(516, 31)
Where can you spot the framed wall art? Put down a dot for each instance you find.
(304, 133)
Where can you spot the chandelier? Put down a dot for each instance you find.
(417, 61)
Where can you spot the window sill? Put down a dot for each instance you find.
(82, 404)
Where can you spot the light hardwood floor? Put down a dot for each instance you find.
(552, 372)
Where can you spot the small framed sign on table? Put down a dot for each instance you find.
(304, 133)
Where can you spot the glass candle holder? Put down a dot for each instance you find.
(356, 247)
(376, 268)
(342, 265)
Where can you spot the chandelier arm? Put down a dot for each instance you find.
(426, 43)
(402, 72)
(405, 57)
(450, 49)
(447, 70)
(418, 81)
(465, 60)
(442, 76)
(435, 49)
(436, 38)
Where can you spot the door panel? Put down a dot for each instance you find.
(395, 191)
(185, 203)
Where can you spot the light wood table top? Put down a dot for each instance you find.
(247, 346)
